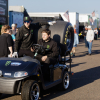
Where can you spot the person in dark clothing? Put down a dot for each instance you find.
(24, 38)
(6, 42)
(52, 51)
(98, 32)
(85, 30)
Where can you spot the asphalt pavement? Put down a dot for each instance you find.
(84, 84)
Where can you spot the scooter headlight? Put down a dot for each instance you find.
(20, 74)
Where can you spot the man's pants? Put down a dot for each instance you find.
(45, 65)
(89, 47)
(49, 60)
(26, 52)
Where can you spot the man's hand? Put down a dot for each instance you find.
(32, 49)
(44, 58)
(90, 41)
(15, 54)
(10, 55)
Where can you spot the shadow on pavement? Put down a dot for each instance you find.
(95, 52)
(81, 54)
(74, 65)
(5, 96)
(78, 80)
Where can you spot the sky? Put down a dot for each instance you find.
(80, 6)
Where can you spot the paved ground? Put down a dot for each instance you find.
(84, 85)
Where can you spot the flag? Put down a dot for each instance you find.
(66, 15)
(90, 19)
(93, 13)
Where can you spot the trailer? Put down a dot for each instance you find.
(56, 16)
(16, 17)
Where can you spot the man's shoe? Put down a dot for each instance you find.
(89, 54)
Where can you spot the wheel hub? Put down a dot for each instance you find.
(66, 81)
(34, 92)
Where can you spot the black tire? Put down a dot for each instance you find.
(65, 81)
(30, 90)
(58, 33)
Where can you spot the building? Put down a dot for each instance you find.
(3, 13)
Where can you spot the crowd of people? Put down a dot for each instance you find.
(16, 43)
(7, 40)
(89, 35)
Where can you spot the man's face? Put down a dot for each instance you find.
(45, 36)
(13, 27)
(27, 23)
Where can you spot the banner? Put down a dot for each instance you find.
(2, 11)
(3, 20)
(4, 7)
(93, 20)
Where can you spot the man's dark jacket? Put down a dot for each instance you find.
(51, 47)
(24, 37)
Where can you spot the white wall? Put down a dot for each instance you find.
(83, 18)
(72, 18)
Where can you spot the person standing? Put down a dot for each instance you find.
(6, 42)
(90, 38)
(12, 35)
(85, 32)
(98, 32)
(76, 41)
(15, 26)
(16, 29)
(13, 29)
(95, 33)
